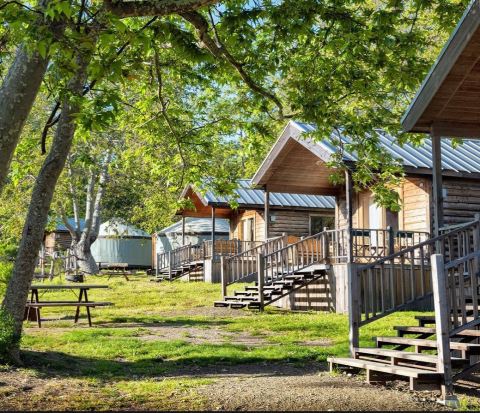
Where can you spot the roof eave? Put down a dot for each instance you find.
(455, 45)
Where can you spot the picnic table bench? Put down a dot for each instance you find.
(36, 304)
(115, 268)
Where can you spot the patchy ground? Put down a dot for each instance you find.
(171, 350)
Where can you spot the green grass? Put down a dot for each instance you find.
(119, 359)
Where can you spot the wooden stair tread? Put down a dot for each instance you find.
(422, 342)
(415, 329)
(404, 355)
(385, 367)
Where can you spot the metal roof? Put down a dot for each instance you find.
(444, 63)
(462, 158)
(246, 195)
(61, 225)
(198, 226)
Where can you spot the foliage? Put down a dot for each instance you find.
(7, 337)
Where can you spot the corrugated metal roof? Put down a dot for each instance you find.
(198, 226)
(463, 158)
(248, 196)
(61, 226)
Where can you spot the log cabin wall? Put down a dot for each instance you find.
(292, 222)
(462, 200)
(415, 195)
(415, 214)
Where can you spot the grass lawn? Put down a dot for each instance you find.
(149, 350)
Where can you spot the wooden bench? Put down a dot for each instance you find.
(87, 305)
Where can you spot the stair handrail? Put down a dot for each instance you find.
(294, 257)
(181, 255)
(403, 279)
(239, 267)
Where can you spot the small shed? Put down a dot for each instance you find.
(119, 242)
(60, 239)
(197, 230)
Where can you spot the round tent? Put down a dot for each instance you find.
(119, 242)
(197, 230)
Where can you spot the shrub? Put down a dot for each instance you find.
(5, 274)
(7, 336)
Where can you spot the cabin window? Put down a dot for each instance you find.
(248, 229)
(318, 222)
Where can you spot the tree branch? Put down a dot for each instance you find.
(218, 49)
(154, 8)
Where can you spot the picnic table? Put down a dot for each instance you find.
(115, 268)
(36, 304)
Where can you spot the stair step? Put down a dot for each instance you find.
(415, 330)
(431, 330)
(231, 304)
(233, 298)
(406, 356)
(425, 343)
(412, 372)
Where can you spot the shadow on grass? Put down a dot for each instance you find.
(57, 364)
(122, 322)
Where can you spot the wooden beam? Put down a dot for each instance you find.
(442, 326)
(437, 182)
(456, 129)
(349, 206)
(183, 230)
(267, 211)
(213, 231)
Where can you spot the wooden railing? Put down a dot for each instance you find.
(227, 247)
(240, 267)
(402, 279)
(177, 257)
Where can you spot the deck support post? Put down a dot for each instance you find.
(353, 307)
(260, 279)
(213, 234)
(169, 265)
(442, 326)
(223, 276)
(183, 230)
(437, 182)
(349, 206)
(267, 212)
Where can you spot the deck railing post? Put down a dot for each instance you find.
(442, 326)
(223, 275)
(325, 246)
(391, 240)
(156, 265)
(169, 265)
(354, 310)
(260, 278)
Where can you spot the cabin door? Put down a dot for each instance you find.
(247, 230)
(375, 220)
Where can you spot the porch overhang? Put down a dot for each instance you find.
(296, 165)
(448, 101)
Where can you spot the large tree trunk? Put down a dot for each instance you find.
(19, 284)
(17, 94)
(86, 262)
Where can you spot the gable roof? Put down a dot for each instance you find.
(464, 158)
(247, 196)
(62, 228)
(435, 100)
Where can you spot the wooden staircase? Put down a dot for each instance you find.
(180, 262)
(441, 348)
(278, 269)
(194, 270)
(404, 357)
(285, 284)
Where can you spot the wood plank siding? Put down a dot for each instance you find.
(462, 200)
(291, 222)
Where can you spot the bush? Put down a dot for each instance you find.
(6, 269)
(7, 337)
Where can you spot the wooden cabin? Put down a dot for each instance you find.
(296, 215)
(59, 239)
(295, 156)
